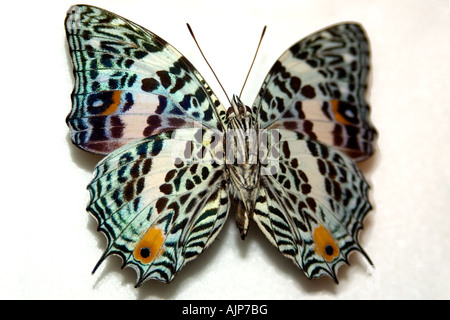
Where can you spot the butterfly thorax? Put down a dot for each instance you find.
(242, 162)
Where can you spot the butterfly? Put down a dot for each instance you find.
(178, 162)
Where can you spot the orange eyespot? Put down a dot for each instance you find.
(325, 245)
(114, 105)
(337, 115)
(150, 246)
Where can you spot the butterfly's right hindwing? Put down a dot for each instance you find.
(312, 205)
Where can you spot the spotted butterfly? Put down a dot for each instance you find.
(178, 161)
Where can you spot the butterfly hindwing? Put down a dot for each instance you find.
(130, 83)
(318, 86)
(312, 204)
(160, 201)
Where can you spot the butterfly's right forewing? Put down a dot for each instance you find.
(318, 87)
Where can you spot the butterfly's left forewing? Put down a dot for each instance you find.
(130, 83)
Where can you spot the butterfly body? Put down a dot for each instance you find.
(242, 163)
(178, 162)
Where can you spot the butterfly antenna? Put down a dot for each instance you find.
(192, 34)
(254, 58)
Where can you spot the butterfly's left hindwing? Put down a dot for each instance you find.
(312, 203)
(160, 201)
(130, 83)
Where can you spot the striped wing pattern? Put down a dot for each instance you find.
(312, 205)
(130, 83)
(318, 87)
(146, 205)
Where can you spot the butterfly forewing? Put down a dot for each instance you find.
(318, 87)
(130, 83)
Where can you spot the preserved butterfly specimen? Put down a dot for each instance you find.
(178, 161)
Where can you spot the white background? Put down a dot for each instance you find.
(49, 243)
